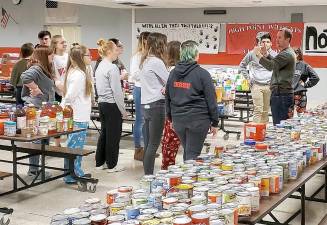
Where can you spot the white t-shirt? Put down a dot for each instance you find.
(75, 95)
(60, 65)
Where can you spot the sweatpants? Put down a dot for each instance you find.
(192, 135)
(111, 129)
(154, 118)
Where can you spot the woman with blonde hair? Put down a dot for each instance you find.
(135, 78)
(111, 106)
(77, 92)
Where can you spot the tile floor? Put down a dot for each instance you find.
(35, 206)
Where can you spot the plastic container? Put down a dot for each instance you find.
(255, 131)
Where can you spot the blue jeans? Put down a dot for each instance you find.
(35, 160)
(139, 120)
(76, 140)
(281, 106)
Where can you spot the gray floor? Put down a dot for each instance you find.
(36, 205)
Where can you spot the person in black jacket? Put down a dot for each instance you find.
(304, 77)
(191, 101)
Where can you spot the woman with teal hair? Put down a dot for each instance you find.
(191, 101)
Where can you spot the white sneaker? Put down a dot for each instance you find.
(103, 167)
(116, 169)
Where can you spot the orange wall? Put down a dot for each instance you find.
(209, 59)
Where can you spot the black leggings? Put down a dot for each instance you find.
(111, 129)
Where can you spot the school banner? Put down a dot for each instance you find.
(241, 38)
(205, 34)
(315, 39)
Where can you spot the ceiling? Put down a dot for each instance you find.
(198, 3)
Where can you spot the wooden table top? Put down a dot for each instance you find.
(21, 138)
(268, 204)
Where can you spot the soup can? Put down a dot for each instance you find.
(115, 219)
(173, 180)
(146, 182)
(265, 186)
(199, 199)
(215, 196)
(139, 199)
(228, 196)
(200, 219)
(185, 190)
(84, 221)
(155, 199)
(293, 170)
(115, 208)
(169, 202)
(274, 183)
(226, 215)
(132, 213)
(255, 198)
(182, 220)
(100, 219)
(125, 191)
(256, 181)
(244, 203)
(194, 209)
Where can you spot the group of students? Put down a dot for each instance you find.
(45, 73)
(173, 97)
(278, 81)
(181, 105)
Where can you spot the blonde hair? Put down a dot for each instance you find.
(54, 41)
(76, 55)
(105, 46)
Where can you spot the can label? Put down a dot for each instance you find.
(274, 184)
(265, 186)
(132, 213)
(156, 201)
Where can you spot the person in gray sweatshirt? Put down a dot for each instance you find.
(38, 87)
(153, 75)
(111, 107)
(259, 79)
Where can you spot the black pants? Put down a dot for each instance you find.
(281, 106)
(19, 100)
(111, 129)
(192, 135)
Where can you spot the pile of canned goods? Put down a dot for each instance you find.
(218, 188)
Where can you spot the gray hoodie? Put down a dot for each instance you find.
(257, 73)
(46, 85)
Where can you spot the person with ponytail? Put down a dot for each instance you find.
(111, 106)
(77, 91)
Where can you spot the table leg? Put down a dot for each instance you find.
(43, 142)
(325, 184)
(14, 164)
(303, 204)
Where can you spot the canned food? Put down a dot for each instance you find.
(226, 215)
(84, 221)
(163, 214)
(111, 196)
(125, 191)
(150, 211)
(115, 219)
(139, 199)
(293, 170)
(228, 196)
(255, 198)
(173, 180)
(182, 220)
(132, 213)
(265, 186)
(274, 183)
(115, 208)
(146, 182)
(185, 190)
(200, 219)
(215, 196)
(227, 166)
(143, 218)
(244, 203)
(169, 202)
(155, 199)
(196, 209)
(178, 210)
(100, 219)
(199, 199)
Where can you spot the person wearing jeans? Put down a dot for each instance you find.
(283, 67)
(259, 79)
(153, 75)
(135, 78)
(191, 101)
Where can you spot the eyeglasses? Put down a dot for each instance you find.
(120, 46)
(87, 55)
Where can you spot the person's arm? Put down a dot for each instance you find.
(14, 76)
(243, 65)
(114, 79)
(168, 100)
(210, 97)
(161, 71)
(29, 80)
(134, 70)
(313, 77)
(270, 63)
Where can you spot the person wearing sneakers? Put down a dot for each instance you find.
(77, 92)
(38, 87)
(135, 78)
(111, 107)
(259, 79)
(60, 60)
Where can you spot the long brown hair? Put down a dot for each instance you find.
(40, 58)
(173, 53)
(54, 41)
(141, 46)
(156, 45)
(76, 57)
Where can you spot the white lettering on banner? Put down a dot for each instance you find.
(315, 39)
(207, 35)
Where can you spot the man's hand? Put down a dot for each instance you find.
(124, 75)
(35, 91)
(257, 51)
(214, 131)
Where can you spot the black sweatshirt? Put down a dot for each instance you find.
(190, 94)
(305, 73)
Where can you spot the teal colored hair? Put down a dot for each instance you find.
(189, 51)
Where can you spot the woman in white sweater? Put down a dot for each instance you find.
(77, 92)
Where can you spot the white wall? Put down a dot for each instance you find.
(95, 22)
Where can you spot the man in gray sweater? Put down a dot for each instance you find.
(259, 79)
(283, 67)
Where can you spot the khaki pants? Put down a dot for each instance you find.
(261, 101)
